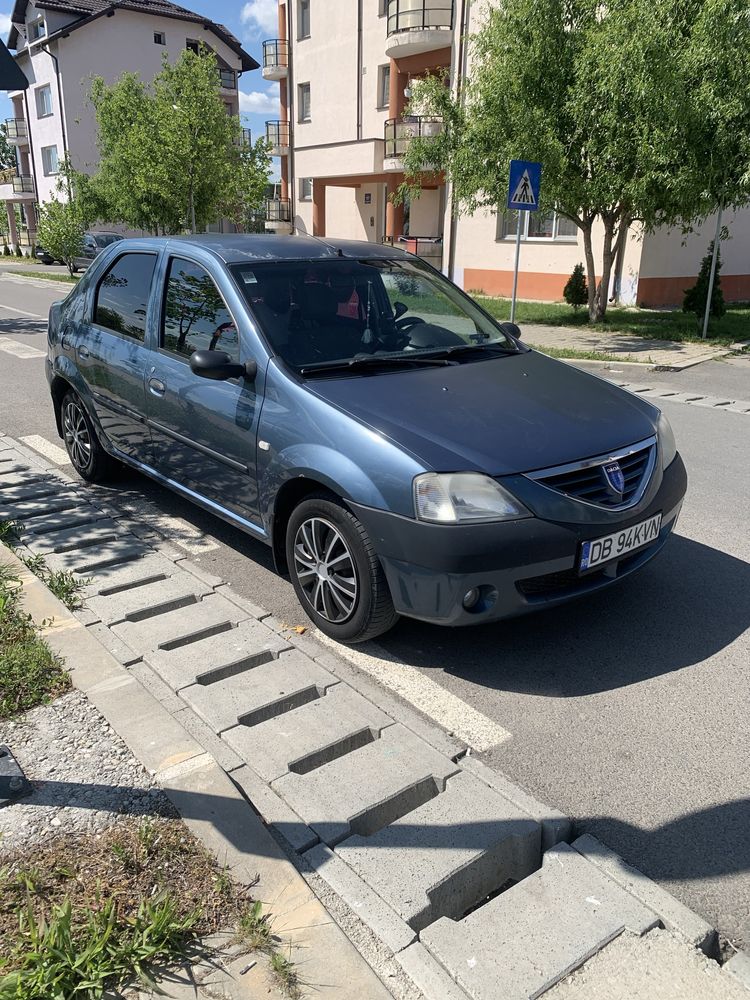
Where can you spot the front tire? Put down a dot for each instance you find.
(86, 454)
(336, 573)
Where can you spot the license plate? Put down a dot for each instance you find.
(610, 547)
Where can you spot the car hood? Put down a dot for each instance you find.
(500, 416)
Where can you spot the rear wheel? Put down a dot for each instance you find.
(86, 454)
(336, 573)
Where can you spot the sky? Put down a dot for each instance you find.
(250, 21)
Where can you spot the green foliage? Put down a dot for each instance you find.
(695, 297)
(171, 158)
(60, 230)
(576, 291)
(637, 110)
(7, 152)
(30, 674)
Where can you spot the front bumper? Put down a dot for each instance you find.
(518, 566)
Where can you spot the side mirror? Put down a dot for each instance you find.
(218, 365)
(399, 309)
(513, 329)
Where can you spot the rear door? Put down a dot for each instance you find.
(204, 432)
(113, 351)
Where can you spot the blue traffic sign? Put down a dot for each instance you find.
(523, 187)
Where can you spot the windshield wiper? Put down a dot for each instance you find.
(376, 361)
(446, 352)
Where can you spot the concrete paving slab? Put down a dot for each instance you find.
(248, 645)
(76, 539)
(427, 975)
(148, 600)
(25, 511)
(17, 474)
(274, 810)
(222, 753)
(302, 737)
(259, 693)
(449, 854)
(176, 629)
(90, 560)
(367, 789)
(525, 940)
(656, 966)
(30, 491)
(674, 915)
(738, 966)
(150, 568)
(58, 520)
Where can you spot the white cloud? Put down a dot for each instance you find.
(261, 16)
(259, 102)
(5, 24)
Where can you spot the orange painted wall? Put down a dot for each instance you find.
(531, 284)
(655, 292)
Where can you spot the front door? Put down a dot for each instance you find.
(203, 432)
(112, 353)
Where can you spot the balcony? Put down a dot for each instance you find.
(246, 138)
(279, 215)
(275, 59)
(278, 138)
(227, 79)
(23, 185)
(17, 131)
(415, 26)
(429, 248)
(399, 133)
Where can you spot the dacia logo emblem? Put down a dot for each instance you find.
(614, 478)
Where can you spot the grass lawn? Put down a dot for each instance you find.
(66, 279)
(650, 323)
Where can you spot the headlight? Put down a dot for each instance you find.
(461, 497)
(666, 441)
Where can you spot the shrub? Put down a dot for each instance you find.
(695, 297)
(576, 291)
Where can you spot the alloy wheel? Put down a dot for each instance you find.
(325, 569)
(77, 438)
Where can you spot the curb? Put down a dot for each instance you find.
(204, 795)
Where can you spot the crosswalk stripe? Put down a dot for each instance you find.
(20, 350)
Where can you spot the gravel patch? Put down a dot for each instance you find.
(84, 776)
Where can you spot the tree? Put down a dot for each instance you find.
(60, 230)
(7, 152)
(637, 110)
(171, 157)
(695, 297)
(576, 292)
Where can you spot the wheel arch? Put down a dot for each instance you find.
(58, 388)
(290, 495)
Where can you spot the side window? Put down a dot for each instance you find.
(195, 316)
(123, 293)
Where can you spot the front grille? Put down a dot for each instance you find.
(550, 583)
(586, 480)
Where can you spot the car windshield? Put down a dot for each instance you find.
(343, 313)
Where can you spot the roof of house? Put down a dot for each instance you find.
(88, 10)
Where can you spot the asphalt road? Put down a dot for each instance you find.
(629, 711)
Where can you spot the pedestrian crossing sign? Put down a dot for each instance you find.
(524, 184)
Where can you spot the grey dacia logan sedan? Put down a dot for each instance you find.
(401, 451)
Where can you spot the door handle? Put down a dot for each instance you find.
(156, 386)
(83, 352)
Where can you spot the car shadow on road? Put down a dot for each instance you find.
(687, 605)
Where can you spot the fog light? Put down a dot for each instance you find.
(471, 597)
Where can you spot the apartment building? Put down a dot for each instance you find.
(60, 45)
(345, 71)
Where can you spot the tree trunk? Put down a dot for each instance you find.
(590, 266)
(602, 289)
(622, 235)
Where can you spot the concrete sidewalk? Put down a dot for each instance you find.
(669, 354)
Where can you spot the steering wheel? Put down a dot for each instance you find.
(408, 322)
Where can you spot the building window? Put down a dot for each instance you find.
(160, 38)
(303, 95)
(49, 160)
(303, 18)
(306, 189)
(193, 45)
(43, 101)
(384, 86)
(382, 8)
(37, 29)
(536, 226)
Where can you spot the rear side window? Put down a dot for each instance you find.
(123, 293)
(195, 315)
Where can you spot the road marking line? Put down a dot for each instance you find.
(51, 451)
(20, 350)
(22, 312)
(431, 698)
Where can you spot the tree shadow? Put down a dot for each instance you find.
(28, 327)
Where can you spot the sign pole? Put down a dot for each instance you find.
(712, 275)
(515, 269)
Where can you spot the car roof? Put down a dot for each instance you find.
(242, 247)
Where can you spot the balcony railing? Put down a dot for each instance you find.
(275, 55)
(429, 248)
(419, 15)
(399, 133)
(23, 184)
(278, 134)
(279, 210)
(228, 79)
(16, 128)
(246, 137)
